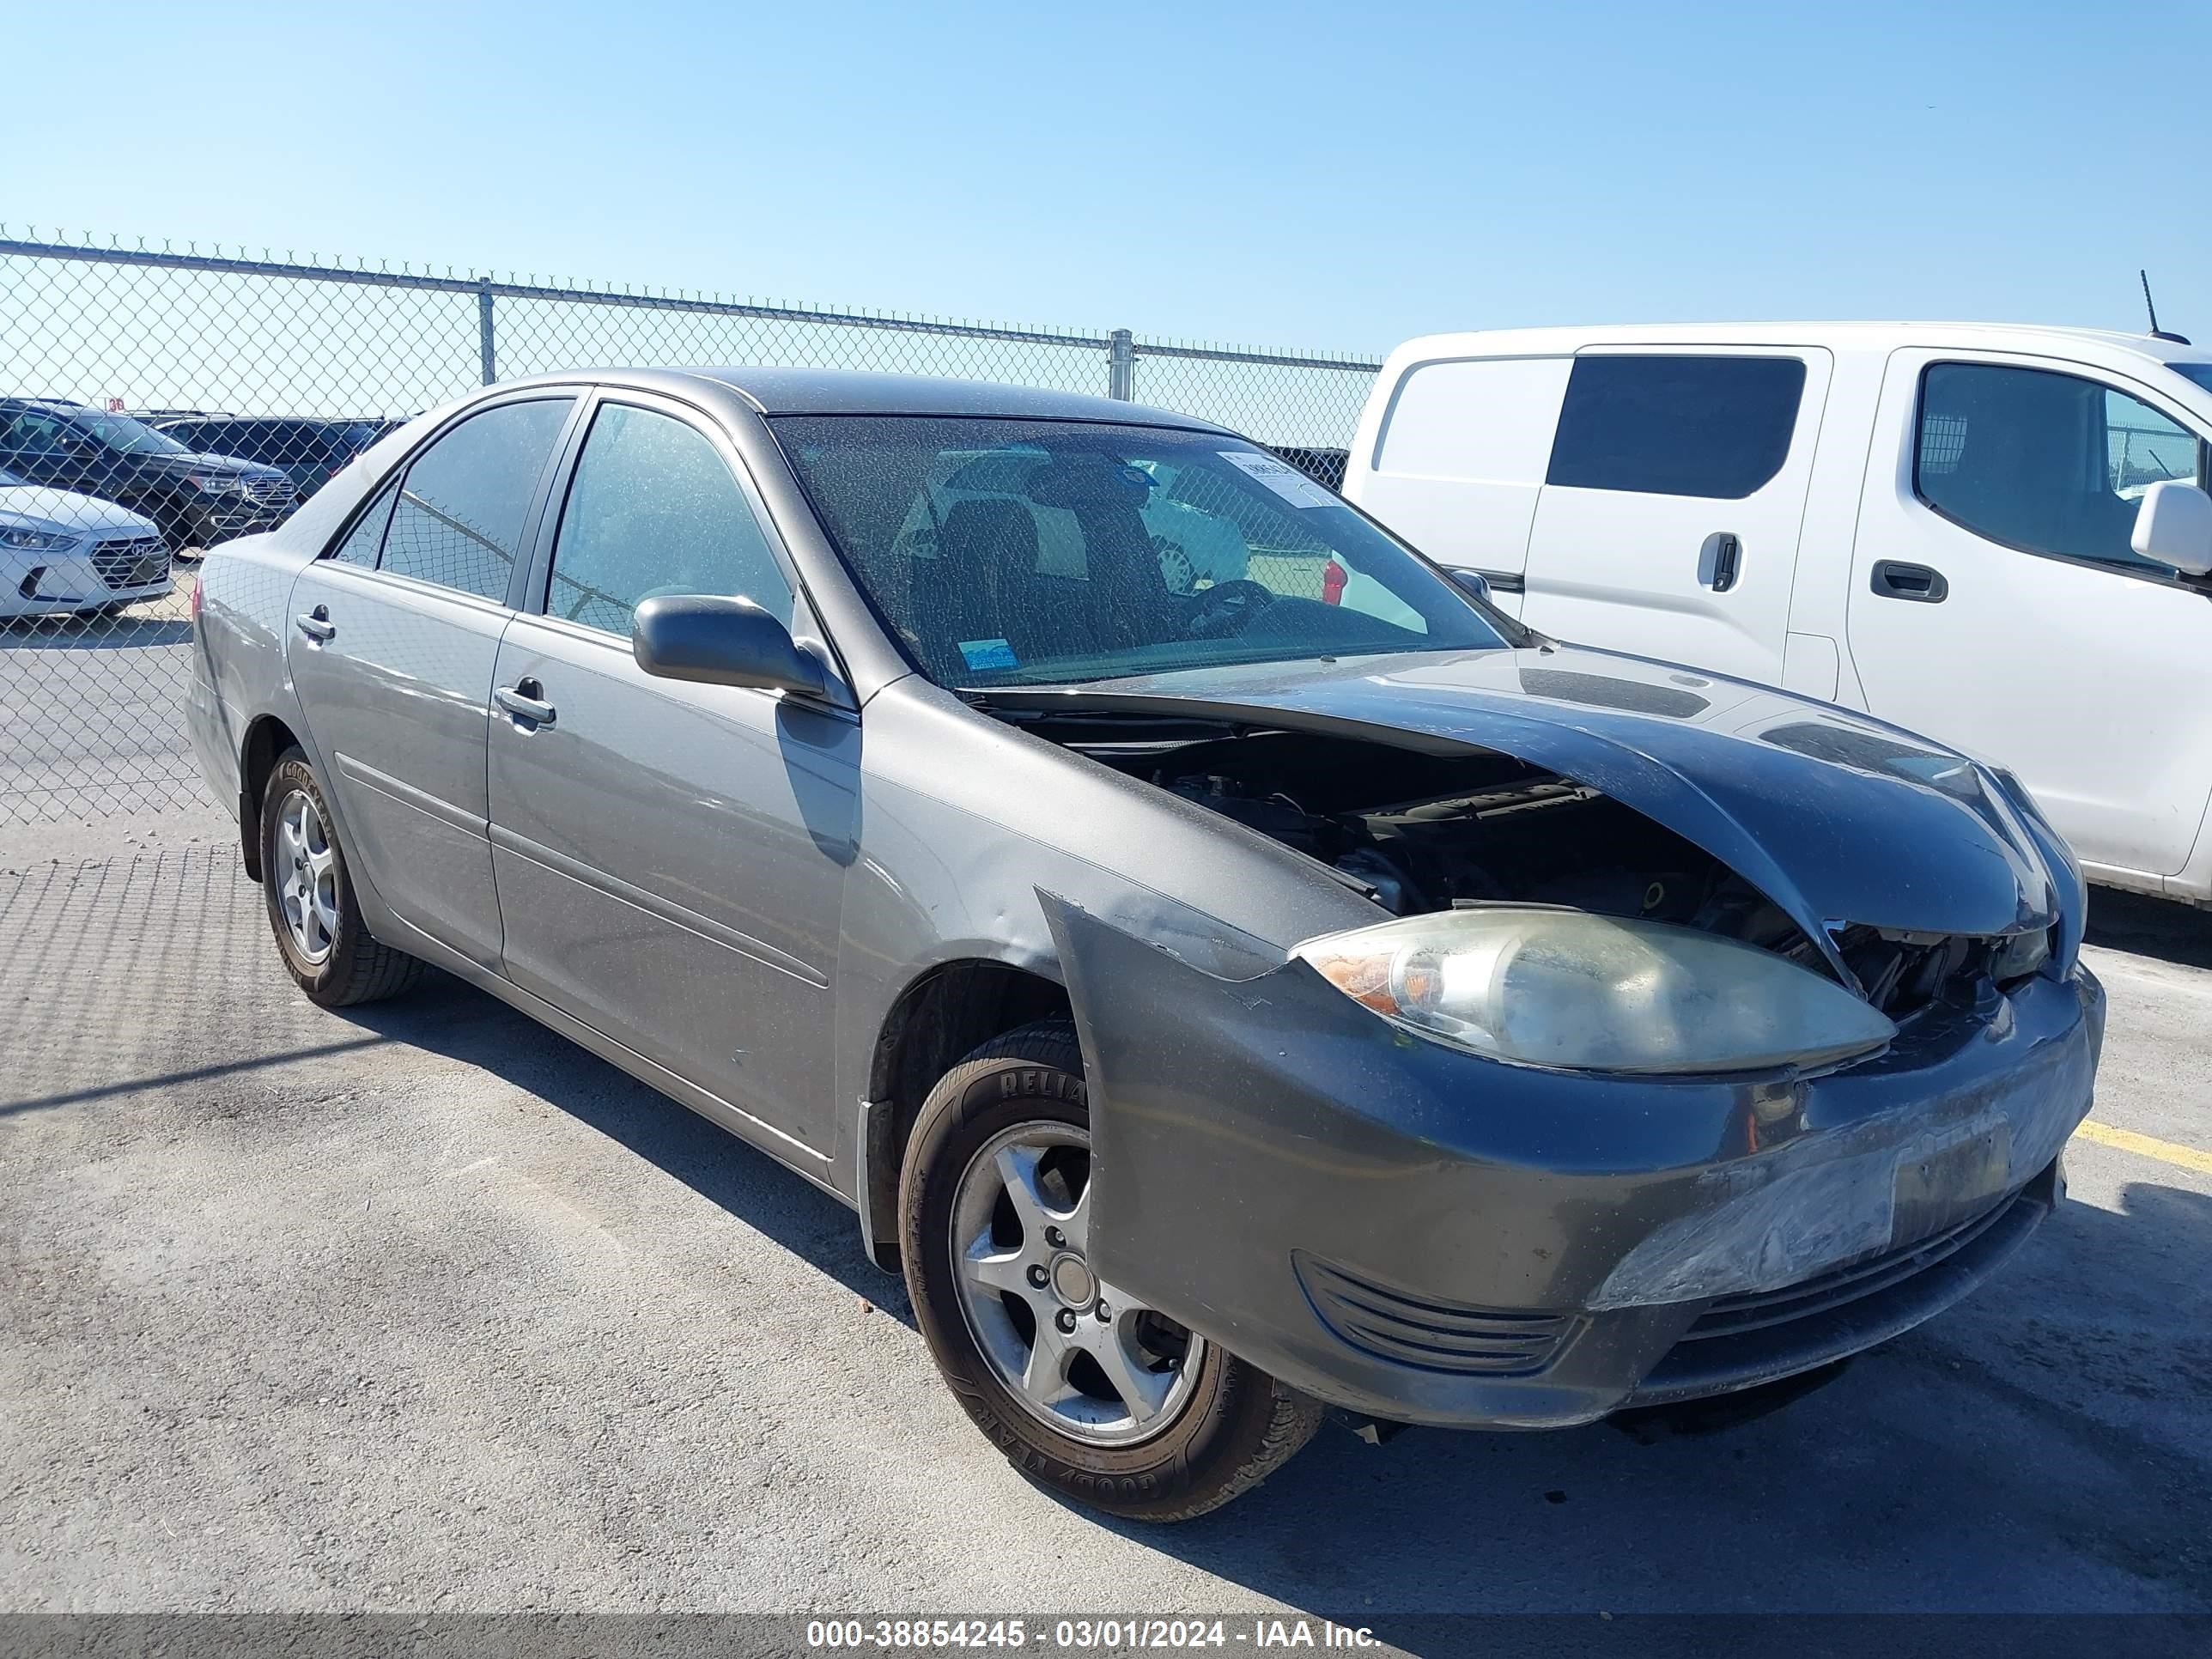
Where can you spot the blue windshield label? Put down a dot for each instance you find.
(988, 653)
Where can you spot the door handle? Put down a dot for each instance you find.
(1920, 583)
(316, 624)
(1719, 560)
(525, 700)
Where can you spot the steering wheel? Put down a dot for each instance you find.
(1226, 609)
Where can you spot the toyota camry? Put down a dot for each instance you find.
(1233, 971)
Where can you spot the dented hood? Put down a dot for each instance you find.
(1837, 817)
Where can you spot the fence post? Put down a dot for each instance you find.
(1122, 366)
(484, 332)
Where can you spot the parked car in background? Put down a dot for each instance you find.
(307, 452)
(1324, 467)
(197, 500)
(1996, 535)
(63, 554)
(1473, 1030)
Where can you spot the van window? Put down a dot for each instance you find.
(2043, 462)
(1668, 425)
(1485, 423)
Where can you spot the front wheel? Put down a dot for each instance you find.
(326, 946)
(1086, 1390)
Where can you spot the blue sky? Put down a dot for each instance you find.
(1336, 177)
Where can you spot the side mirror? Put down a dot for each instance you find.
(1474, 582)
(2174, 526)
(713, 640)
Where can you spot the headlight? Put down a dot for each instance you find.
(1566, 989)
(212, 484)
(34, 541)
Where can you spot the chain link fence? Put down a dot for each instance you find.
(155, 403)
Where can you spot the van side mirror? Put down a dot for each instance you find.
(713, 641)
(2174, 526)
(1474, 582)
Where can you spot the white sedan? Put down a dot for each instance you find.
(63, 554)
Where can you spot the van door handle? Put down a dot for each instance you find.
(525, 700)
(316, 624)
(1719, 560)
(1920, 583)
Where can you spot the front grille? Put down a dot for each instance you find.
(1731, 1316)
(138, 563)
(1430, 1335)
(268, 492)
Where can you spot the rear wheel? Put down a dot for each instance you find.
(1085, 1389)
(326, 946)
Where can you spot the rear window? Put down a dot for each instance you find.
(1717, 427)
(1481, 421)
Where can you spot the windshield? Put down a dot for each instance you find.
(8, 480)
(2200, 372)
(122, 433)
(1007, 552)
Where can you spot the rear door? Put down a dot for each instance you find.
(1996, 606)
(391, 641)
(670, 857)
(1672, 501)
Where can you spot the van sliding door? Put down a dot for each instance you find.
(1673, 502)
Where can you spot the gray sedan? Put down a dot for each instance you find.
(1232, 970)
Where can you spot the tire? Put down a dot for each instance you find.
(328, 949)
(176, 529)
(1223, 1425)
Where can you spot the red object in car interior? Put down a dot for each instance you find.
(1333, 578)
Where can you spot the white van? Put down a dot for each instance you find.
(1998, 535)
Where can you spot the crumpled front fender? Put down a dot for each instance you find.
(1241, 1126)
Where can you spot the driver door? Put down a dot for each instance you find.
(670, 857)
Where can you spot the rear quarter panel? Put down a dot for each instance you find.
(238, 670)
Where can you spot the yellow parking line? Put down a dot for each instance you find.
(2128, 1140)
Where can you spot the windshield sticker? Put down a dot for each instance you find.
(1286, 481)
(988, 653)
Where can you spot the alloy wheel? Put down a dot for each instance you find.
(1074, 1353)
(306, 875)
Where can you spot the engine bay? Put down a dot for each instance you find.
(1420, 833)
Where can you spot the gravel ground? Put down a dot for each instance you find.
(420, 1307)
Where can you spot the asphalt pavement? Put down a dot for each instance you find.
(421, 1308)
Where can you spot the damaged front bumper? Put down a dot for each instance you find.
(1419, 1234)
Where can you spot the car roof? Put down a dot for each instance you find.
(856, 391)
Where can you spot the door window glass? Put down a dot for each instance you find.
(33, 433)
(2043, 462)
(460, 516)
(1666, 425)
(655, 509)
(362, 543)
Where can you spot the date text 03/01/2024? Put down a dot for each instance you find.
(1079, 1635)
